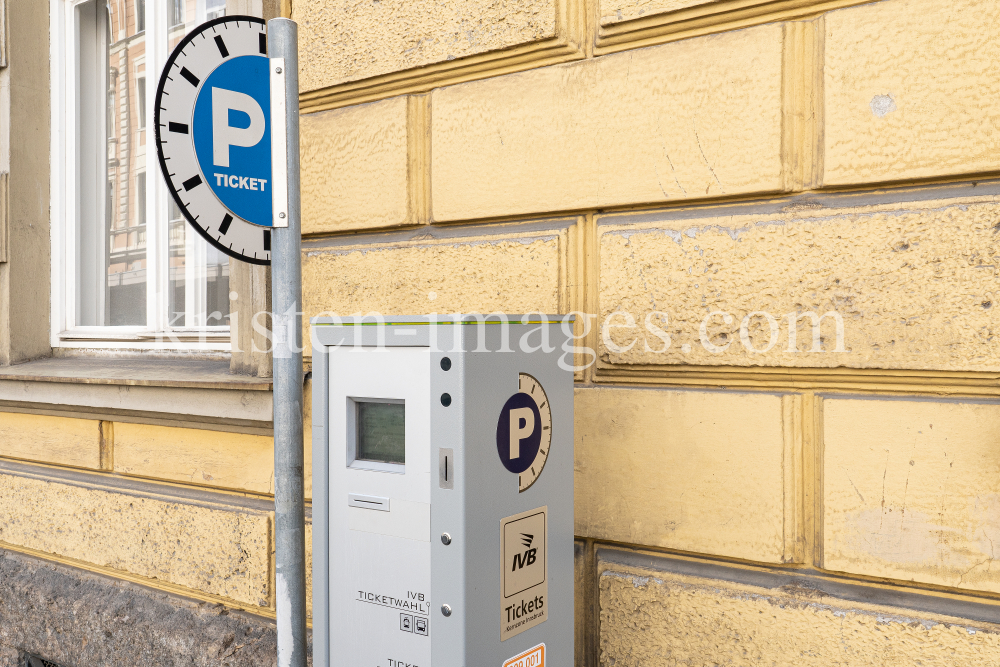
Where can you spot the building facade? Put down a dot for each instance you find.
(776, 221)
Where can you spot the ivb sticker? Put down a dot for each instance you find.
(524, 576)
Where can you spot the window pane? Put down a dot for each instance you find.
(114, 160)
(140, 99)
(198, 292)
(111, 232)
(214, 9)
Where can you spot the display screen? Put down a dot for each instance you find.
(381, 432)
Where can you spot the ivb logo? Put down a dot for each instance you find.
(528, 557)
(524, 576)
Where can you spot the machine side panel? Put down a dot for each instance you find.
(491, 379)
(320, 509)
(448, 561)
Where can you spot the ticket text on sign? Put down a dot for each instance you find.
(533, 657)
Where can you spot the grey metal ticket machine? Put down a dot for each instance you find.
(442, 492)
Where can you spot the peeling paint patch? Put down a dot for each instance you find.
(882, 105)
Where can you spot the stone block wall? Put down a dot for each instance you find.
(779, 219)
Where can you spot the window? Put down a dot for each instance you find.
(140, 100)
(176, 11)
(130, 272)
(214, 9)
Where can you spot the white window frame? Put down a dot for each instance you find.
(141, 61)
(156, 334)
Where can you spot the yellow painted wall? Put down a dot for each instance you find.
(660, 618)
(215, 550)
(911, 490)
(694, 471)
(593, 134)
(634, 159)
(62, 440)
(915, 285)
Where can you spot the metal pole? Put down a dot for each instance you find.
(286, 301)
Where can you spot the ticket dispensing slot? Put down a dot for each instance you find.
(368, 502)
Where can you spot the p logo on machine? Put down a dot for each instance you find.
(213, 134)
(524, 431)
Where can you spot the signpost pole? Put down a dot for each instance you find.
(286, 300)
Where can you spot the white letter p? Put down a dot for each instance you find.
(517, 434)
(223, 134)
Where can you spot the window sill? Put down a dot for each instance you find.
(179, 339)
(173, 392)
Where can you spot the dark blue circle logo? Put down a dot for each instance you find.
(232, 136)
(519, 433)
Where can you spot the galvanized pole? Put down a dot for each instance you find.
(286, 301)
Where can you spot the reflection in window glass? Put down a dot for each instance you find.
(381, 432)
(111, 234)
(115, 157)
(198, 274)
(175, 12)
(140, 100)
(214, 9)
(195, 263)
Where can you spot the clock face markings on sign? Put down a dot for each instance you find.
(222, 46)
(192, 79)
(229, 48)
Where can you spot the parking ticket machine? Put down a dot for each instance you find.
(443, 492)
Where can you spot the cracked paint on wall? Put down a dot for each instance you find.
(660, 618)
(914, 285)
(692, 119)
(348, 40)
(912, 490)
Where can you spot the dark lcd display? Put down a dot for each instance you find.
(381, 432)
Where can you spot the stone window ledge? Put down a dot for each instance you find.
(175, 391)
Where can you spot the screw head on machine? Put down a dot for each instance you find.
(446, 609)
(445, 539)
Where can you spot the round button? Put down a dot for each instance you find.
(445, 400)
(446, 609)
(446, 364)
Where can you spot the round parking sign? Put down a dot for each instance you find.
(524, 431)
(213, 139)
(232, 139)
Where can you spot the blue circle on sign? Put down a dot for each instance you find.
(519, 433)
(232, 136)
